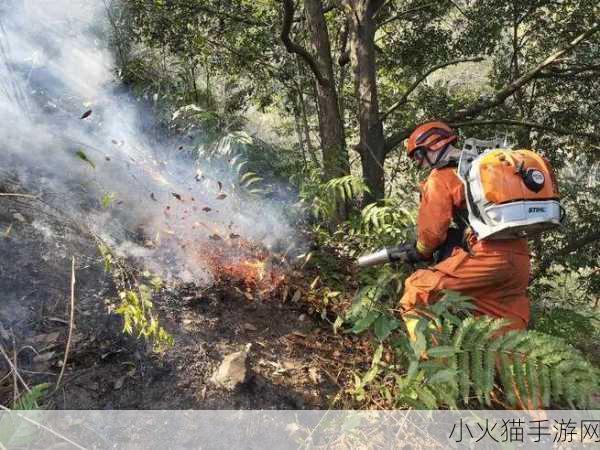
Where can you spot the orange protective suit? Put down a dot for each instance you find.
(494, 272)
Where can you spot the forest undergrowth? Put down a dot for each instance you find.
(272, 99)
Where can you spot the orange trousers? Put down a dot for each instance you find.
(495, 274)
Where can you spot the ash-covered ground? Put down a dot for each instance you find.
(108, 369)
(78, 147)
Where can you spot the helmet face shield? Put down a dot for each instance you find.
(421, 155)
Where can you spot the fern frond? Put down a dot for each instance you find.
(461, 343)
(533, 382)
(534, 370)
(545, 385)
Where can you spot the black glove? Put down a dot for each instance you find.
(407, 253)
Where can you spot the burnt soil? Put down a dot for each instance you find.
(107, 369)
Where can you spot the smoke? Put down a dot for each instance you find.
(98, 168)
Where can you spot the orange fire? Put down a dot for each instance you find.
(231, 259)
(244, 264)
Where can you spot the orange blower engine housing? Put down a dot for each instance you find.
(510, 193)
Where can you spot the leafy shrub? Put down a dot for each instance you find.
(456, 361)
(580, 329)
(323, 198)
(136, 306)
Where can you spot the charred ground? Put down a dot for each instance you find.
(294, 361)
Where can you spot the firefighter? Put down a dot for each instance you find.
(495, 273)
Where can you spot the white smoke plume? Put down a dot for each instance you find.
(55, 67)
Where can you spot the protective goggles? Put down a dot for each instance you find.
(419, 154)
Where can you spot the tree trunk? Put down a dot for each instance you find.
(362, 58)
(298, 128)
(305, 127)
(331, 131)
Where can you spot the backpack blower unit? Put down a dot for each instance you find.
(510, 194)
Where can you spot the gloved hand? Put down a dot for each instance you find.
(411, 253)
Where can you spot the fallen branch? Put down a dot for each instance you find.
(71, 321)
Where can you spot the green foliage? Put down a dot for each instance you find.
(16, 432)
(580, 329)
(238, 159)
(382, 218)
(371, 301)
(323, 199)
(562, 287)
(568, 324)
(107, 199)
(136, 305)
(107, 256)
(386, 221)
(82, 156)
(454, 361)
(138, 319)
(30, 400)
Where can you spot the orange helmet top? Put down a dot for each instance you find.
(432, 136)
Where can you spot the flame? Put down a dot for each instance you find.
(230, 259)
(245, 265)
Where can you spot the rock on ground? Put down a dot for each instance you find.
(233, 370)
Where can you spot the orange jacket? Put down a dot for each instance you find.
(494, 272)
(442, 194)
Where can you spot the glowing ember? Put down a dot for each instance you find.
(217, 247)
(243, 263)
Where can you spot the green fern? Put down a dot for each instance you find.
(532, 369)
(325, 198)
(385, 219)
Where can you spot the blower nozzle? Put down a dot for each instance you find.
(385, 255)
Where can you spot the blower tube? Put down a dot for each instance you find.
(385, 255)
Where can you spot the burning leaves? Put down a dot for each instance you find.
(241, 264)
